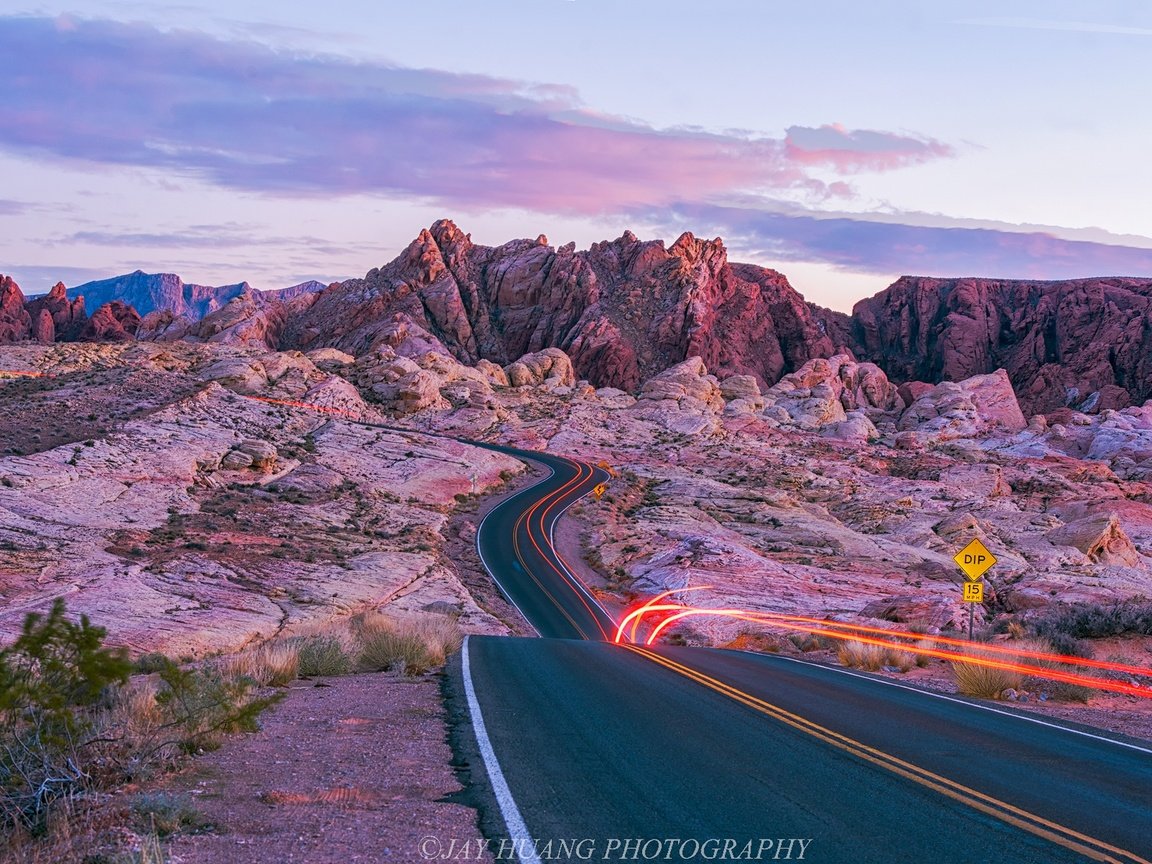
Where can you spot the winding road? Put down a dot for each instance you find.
(585, 750)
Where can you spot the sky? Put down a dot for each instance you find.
(842, 143)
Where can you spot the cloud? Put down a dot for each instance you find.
(887, 247)
(12, 208)
(35, 279)
(859, 150)
(1067, 26)
(228, 235)
(247, 117)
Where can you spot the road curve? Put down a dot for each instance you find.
(515, 543)
(596, 741)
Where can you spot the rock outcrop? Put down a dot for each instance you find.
(55, 318)
(1084, 343)
(112, 322)
(15, 322)
(622, 310)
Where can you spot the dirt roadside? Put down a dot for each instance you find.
(348, 769)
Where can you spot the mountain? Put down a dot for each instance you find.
(623, 310)
(1083, 343)
(148, 292)
(626, 309)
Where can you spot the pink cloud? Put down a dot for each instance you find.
(242, 116)
(850, 151)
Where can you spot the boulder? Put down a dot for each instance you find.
(1101, 538)
(550, 366)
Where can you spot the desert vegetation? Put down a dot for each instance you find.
(79, 718)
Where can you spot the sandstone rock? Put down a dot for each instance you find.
(329, 358)
(262, 453)
(55, 317)
(417, 391)
(973, 407)
(241, 374)
(496, 376)
(1086, 335)
(310, 479)
(686, 384)
(162, 326)
(1101, 538)
(741, 387)
(669, 303)
(854, 427)
(235, 460)
(112, 322)
(550, 366)
(15, 322)
(910, 391)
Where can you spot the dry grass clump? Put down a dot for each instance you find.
(872, 658)
(412, 645)
(273, 664)
(986, 682)
(921, 659)
(806, 642)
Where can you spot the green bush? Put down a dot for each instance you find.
(324, 655)
(1095, 620)
(165, 814)
(52, 679)
(69, 724)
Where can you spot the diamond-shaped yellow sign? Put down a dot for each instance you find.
(975, 559)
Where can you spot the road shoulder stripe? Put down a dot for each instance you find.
(517, 831)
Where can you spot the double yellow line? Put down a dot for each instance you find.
(1082, 844)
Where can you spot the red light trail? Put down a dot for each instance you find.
(981, 654)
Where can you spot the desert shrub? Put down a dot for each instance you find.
(805, 642)
(199, 706)
(1061, 691)
(146, 664)
(411, 645)
(1096, 620)
(986, 682)
(324, 655)
(52, 679)
(165, 814)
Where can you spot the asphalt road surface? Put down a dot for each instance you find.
(594, 751)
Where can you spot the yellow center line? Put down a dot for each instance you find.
(1098, 850)
(524, 518)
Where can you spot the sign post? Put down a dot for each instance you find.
(975, 560)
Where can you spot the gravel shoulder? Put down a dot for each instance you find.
(349, 769)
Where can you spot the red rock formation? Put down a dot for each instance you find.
(623, 310)
(1084, 342)
(112, 322)
(56, 318)
(15, 322)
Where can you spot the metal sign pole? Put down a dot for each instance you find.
(971, 618)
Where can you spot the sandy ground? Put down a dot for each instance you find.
(349, 769)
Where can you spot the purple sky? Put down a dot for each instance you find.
(240, 141)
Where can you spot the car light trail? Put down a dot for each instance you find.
(885, 638)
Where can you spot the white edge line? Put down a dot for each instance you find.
(948, 698)
(517, 831)
(480, 552)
